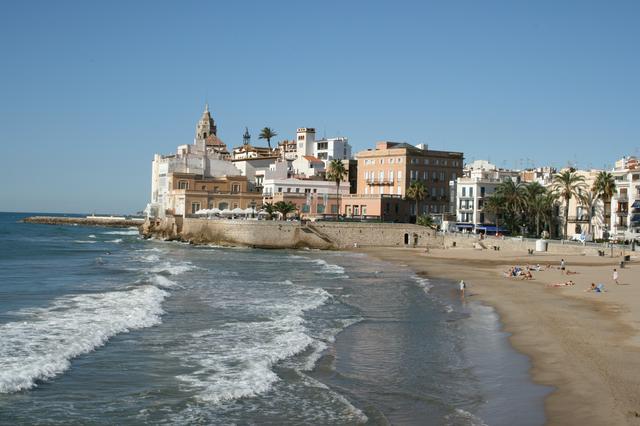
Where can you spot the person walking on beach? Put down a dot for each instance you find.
(615, 276)
(462, 287)
(562, 265)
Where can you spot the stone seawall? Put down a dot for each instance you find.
(281, 234)
(60, 220)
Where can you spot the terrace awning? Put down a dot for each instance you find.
(635, 218)
(636, 204)
(464, 225)
(492, 228)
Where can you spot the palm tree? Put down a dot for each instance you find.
(541, 207)
(588, 199)
(605, 186)
(512, 195)
(567, 184)
(417, 192)
(494, 204)
(337, 172)
(426, 220)
(270, 209)
(268, 133)
(534, 201)
(284, 208)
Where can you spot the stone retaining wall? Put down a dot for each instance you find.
(281, 234)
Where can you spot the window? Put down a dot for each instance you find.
(426, 161)
(195, 207)
(235, 187)
(363, 210)
(381, 175)
(471, 191)
(301, 138)
(320, 208)
(464, 191)
(390, 160)
(390, 175)
(297, 189)
(183, 184)
(279, 189)
(323, 145)
(288, 189)
(399, 190)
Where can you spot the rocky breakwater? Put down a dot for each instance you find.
(279, 234)
(114, 222)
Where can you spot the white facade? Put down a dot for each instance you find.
(301, 186)
(332, 149)
(625, 203)
(478, 182)
(204, 157)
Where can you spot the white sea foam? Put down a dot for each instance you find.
(164, 282)
(173, 268)
(41, 346)
(129, 231)
(92, 236)
(116, 241)
(235, 360)
(460, 416)
(329, 267)
(425, 283)
(84, 242)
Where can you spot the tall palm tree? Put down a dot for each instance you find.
(534, 194)
(588, 199)
(284, 208)
(605, 186)
(337, 172)
(494, 204)
(268, 133)
(513, 197)
(417, 192)
(567, 184)
(541, 207)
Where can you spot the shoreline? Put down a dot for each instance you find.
(584, 345)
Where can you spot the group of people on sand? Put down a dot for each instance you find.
(522, 273)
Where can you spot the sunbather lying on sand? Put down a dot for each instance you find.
(596, 288)
(564, 284)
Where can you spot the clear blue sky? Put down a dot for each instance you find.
(89, 91)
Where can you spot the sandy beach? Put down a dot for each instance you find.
(584, 344)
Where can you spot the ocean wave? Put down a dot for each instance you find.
(235, 360)
(84, 242)
(128, 232)
(91, 236)
(460, 416)
(42, 345)
(116, 241)
(173, 268)
(425, 283)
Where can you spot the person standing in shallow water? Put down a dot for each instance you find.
(462, 287)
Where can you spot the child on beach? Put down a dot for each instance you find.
(562, 265)
(615, 276)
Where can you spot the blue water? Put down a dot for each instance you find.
(98, 326)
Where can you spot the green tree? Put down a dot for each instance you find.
(284, 208)
(337, 172)
(417, 192)
(604, 187)
(567, 184)
(514, 202)
(270, 209)
(268, 133)
(534, 203)
(426, 220)
(494, 204)
(588, 199)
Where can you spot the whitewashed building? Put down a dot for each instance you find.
(479, 181)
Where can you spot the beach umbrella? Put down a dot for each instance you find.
(226, 212)
(214, 210)
(237, 210)
(201, 211)
(248, 210)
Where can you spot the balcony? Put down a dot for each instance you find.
(383, 181)
(579, 219)
(622, 212)
(621, 227)
(621, 198)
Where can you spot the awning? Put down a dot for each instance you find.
(464, 225)
(636, 204)
(635, 217)
(492, 229)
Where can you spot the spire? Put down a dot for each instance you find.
(246, 138)
(206, 107)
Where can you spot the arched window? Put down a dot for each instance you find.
(223, 205)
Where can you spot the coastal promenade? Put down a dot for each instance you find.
(113, 222)
(584, 344)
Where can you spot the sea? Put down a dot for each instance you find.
(99, 327)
